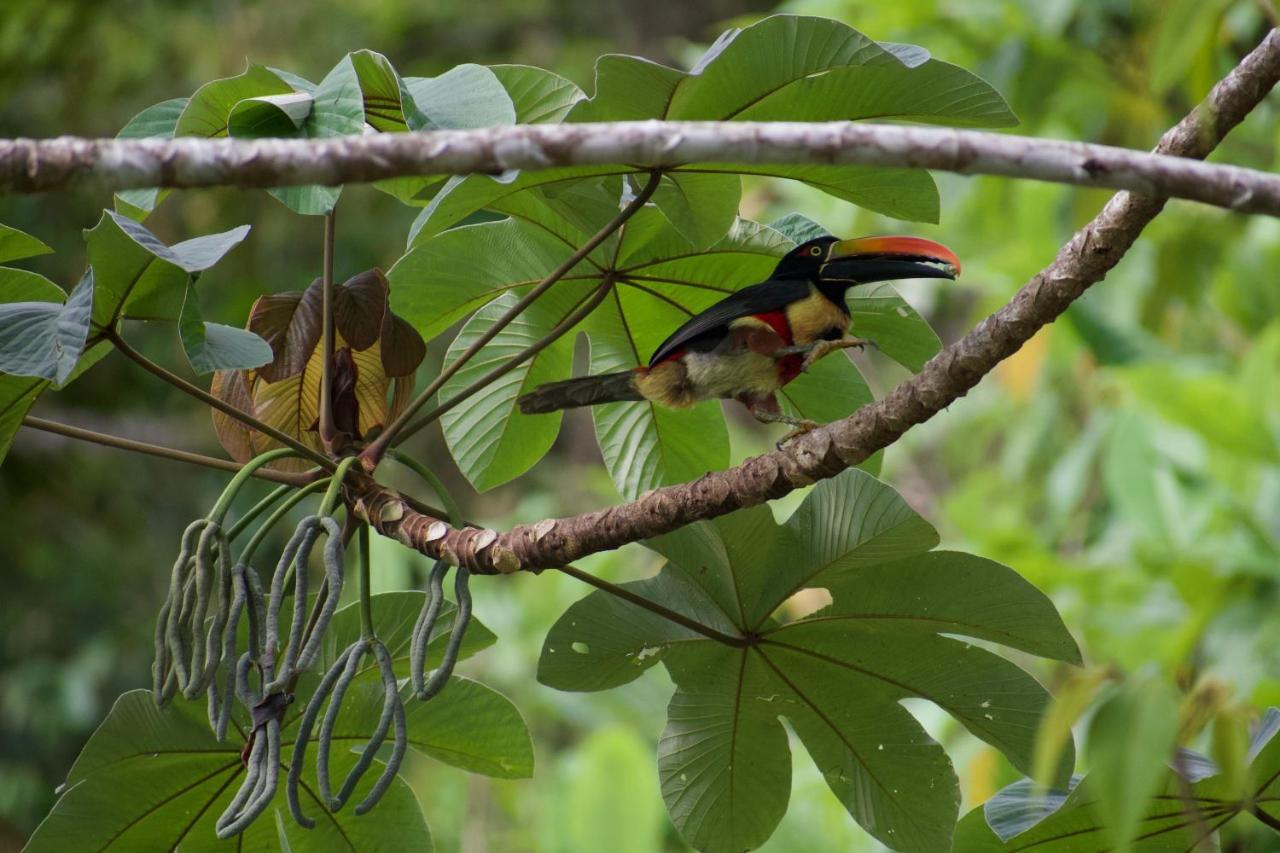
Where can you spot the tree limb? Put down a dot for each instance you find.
(29, 166)
(825, 452)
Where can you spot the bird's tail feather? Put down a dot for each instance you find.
(582, 391)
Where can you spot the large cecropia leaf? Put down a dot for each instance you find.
(334, 108)
(44, 344)
(1176, 816)
(43, 337)
(490, 439)
(138, 276)
(157, 779)
(16, 245)
(837, 676)
(784, 68)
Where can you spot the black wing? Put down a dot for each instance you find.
(772, 295)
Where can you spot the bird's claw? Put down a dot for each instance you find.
(799, 429)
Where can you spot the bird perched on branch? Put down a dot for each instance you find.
(753, 342)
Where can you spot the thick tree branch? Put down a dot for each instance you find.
(825, 452)
(28, 165)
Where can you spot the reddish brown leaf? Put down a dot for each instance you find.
(402, 347)
(346, 408)
(359, 306)
(232, 387)
(290, 322)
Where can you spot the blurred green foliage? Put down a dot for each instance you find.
(1126, 461)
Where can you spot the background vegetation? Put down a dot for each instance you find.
(1126, 461)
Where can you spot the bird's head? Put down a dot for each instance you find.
(844, 263)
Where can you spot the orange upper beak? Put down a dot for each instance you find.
(868, 259)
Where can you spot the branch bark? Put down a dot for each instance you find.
(825, 452)
(30, 166)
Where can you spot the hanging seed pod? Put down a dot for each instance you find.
(333, 688)
(188, 655)
(424, 686)
(246, 598)
(260, 781)
(295, 657)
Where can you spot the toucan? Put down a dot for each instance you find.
(756, 340)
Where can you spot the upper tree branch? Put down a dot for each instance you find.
(39, 165)
(1083, 261)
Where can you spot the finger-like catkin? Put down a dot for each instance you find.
(426, 624)
(305, 724)
(392, 703)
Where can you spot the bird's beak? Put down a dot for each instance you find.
(869, 259)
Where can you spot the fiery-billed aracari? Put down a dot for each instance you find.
(753, 342)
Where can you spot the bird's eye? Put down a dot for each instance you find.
(816, 250)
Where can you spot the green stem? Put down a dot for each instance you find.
(331, 494)
(570, 320)
(114, 336)
(366, 590)
(219, 511)
(256, 510)
(451, 508)
(391, 435)
(280, 512)
(156, 450)
(328, 432)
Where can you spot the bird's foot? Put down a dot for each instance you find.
(799, 428)
(821, 349)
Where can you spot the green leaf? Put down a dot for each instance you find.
(472, 727)
(462, 196)
(537, 95)
(1131, 739)
(448, 277)
(791, 68)
(908, 194)
(388, 106)
(489, 437)
(15, 245)
(152, 779)
(701, 206)
(881, 315)
(837, 675)
(799, 228)
(136, 275)
(1022, 817)
(209, 110)
(270, 115)
(337, 109)
(213, 346)
(17, 395)
(464, 97)
(158, 121)
(42, 339)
